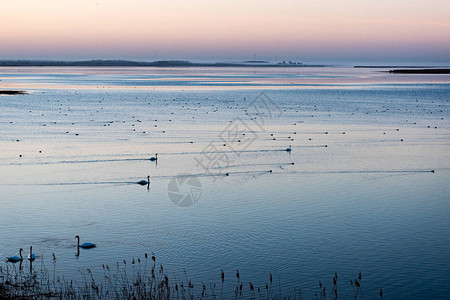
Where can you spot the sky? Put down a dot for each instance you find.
(227, 30)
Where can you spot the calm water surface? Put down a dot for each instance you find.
(359, 197)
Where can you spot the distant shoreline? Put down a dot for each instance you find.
(393, 67)
(13, 92)
(161, 63)
(421, 71)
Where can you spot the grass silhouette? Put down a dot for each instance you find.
(146, 279)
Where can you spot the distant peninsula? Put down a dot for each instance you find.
(9, 92)
(160, 63)
(421, 71)
(391, 67)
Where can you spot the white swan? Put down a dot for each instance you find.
(31, 256)
(84, 245)
(16, 258)
(153, 158)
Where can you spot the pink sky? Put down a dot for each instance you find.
(402, 30)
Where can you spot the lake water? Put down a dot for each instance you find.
(360, 196)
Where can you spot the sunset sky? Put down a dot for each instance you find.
(199, 30)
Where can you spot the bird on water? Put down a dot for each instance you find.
(144, 182)
(16, 258)
(84, 245)
(31, 256)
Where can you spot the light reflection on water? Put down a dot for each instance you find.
(367, 202)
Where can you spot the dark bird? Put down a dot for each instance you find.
(84, 245)
(144, 182)
(16, 258)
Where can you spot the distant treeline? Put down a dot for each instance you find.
(128, 63)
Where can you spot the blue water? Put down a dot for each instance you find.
(359, 197)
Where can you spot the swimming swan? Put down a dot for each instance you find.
(84, 245)
(153, 158)
(31, 256)
(144, 182)
(16, 258)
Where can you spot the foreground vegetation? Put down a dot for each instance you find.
(146, 279)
